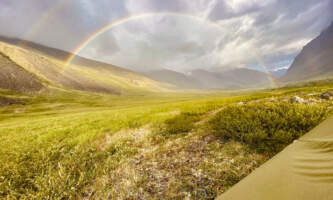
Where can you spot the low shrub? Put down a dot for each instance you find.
(182, 123)
(267, 128)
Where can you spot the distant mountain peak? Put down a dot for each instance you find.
(236, 78)
(315, 60)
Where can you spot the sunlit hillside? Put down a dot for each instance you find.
(81, 74)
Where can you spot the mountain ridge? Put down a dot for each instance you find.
(238, 78)
(173, 77)
(49, 65)
(315, 59)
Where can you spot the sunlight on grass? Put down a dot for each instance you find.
(49, 147)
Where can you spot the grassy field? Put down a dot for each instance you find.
(77, 145)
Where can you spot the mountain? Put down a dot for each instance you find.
(213, 80)
(175, 78)
(202, 79)
(47, 66)
(315, 60)
(231, 79)
(28, 67)
(248, 77)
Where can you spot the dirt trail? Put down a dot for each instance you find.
(137, 134)
(208, 116)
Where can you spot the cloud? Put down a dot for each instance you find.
(62, 24)
(273, 31)
(281, 68)
(173, 42)
(104, 47)
(152, 41)
(276, 31)
(155, 6)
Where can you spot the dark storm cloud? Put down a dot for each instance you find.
(275, 29)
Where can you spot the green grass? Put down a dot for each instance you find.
(182, 123)
(51, 152)
(268, 128)
(50, 147)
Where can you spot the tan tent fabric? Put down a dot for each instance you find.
(302, 171)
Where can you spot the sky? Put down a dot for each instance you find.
(180, 35)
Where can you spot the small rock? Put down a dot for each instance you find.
(241, 103)
(297, 99)
(326, 95)
(188, 196)
(312, 101)
(311, 94)
(284, 99)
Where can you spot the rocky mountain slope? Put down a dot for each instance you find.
(315, 60)
(14, 77)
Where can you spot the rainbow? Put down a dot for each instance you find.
(44, 19)
(116, 23)
(132, 18)
(264, 66)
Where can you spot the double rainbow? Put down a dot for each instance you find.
(121, 21)
(116, 23)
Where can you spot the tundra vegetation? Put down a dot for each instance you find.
(78, 145)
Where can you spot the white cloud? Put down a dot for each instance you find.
(280, 68)
(276, 30)
(89, 7)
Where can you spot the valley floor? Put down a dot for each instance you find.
(69, 145)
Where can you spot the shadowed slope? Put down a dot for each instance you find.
(15, 78)
(315, 59)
